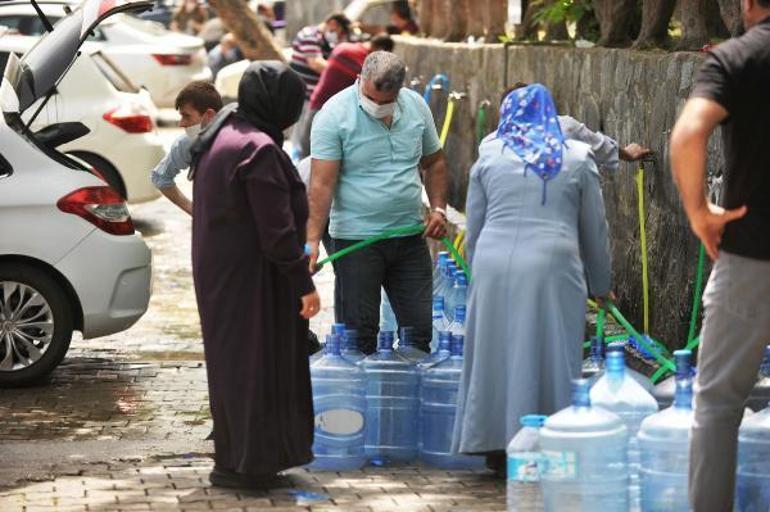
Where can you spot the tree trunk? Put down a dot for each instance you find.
(656, 15)
(440, 19)
(476, 19)
(495, 16)
(699, 23)
(425, 11)
(731, 15)
(457, 13)
(615, 20)
(528, 27)
(255, 40)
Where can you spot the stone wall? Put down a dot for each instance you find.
(300, 13)
(632, 96)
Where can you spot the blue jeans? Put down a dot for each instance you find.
(400, 265)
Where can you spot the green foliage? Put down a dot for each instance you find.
(570, 11)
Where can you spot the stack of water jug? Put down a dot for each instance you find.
(613, 451)
(398, 404)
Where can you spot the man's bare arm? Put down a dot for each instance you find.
(436, 186)
(176, 196)
(323, 182)
(689, 142)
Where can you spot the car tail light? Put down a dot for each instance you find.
(130, 118)
(173, 59)
(102, 207)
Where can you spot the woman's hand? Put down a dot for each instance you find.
(311, 305)
(602, 301)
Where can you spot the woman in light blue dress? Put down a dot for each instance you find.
(537, 244)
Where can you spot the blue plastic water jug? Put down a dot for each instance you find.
(664, 444)
(339, 330)
(457, 327)
(392, 404)
(350, 349)
(458, 295)
(585, 458)
(439, 388)
(447, 281)
(406, 346)
(440, 321)
(753, 473)
(339, 401)
(620, 393)
(441, 353)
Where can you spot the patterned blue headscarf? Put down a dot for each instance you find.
(529, 126)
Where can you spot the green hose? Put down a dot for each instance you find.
(394, 233)
(481, 121)
(696, 295)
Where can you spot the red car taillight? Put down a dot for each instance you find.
(173, 59)
(130, 119)
(101, 206)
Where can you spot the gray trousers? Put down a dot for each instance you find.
(736, 329)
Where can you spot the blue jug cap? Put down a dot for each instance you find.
(338, 328)
(456, 347)
(460, 311)
(350, 339)
(332, 344)
(682, 358)
(443, 258)
(533, 420)
(580, 395)
(460, 278)
(438, 302)
(385, 341)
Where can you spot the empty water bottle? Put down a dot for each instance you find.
(440, 269)
(439, 388)
(441, 353)
(760, 395)
(388, 320)
(620, 393)
(339, 401)
(392, 404)
(457, 327)
(593, 365)
(350, 349)
(407, 348)
(440, 321)
(447, 279)
(458, 295)
(585, 457)
(664, 444)
(523, 465)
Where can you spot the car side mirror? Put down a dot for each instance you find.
(58, 134)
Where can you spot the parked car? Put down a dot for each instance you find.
(154, 57)
(366, 12)
(69, 257)
(123, 144)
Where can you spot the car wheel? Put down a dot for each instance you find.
(36, 324)
(104, 170)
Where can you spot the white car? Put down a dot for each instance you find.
(69, 256)
(368, 12)
(123, 144)
(152, 56)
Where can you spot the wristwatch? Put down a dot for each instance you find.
(441, 211)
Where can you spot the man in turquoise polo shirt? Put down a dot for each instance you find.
(369, 144)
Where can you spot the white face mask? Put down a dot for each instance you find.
(331, 37)
(375, 110)
(192, 131)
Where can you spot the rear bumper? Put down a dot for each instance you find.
(112, 277)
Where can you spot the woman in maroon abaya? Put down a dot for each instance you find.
(254, 291)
